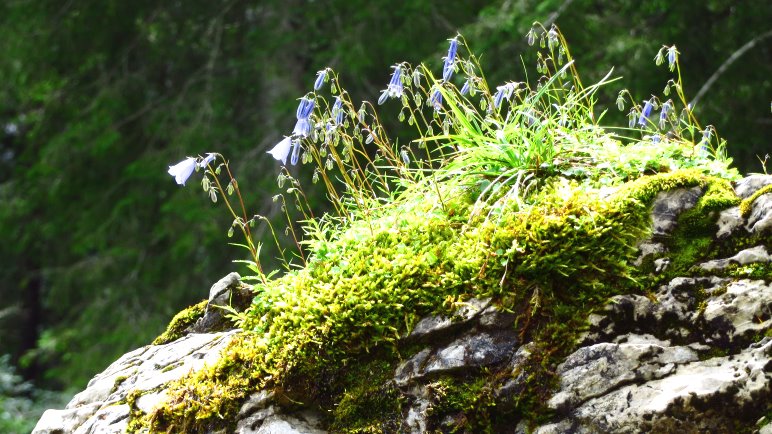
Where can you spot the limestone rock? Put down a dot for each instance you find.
(668, 205)
(691, 353)
(102, 406)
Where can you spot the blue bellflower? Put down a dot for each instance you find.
(672, 56)
(182, 170)
(395, 88)
(295, 152)
(281, 150)
(663, 115)
(450, 60)
(465, 87)
(645, 113)
(303, 126)
(321, 77)
(305, 108)
(337, 111)
(436, 99)
(208, 159)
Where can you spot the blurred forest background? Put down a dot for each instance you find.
(99, 247)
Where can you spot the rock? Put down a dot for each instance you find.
(271, 421)
(729, 220)
(668, 205)
(472, 351)
(435, 325)
(745, 187)
(228, 291)
(756, 254)
(760, 218)
(690, 353)
(742, 311)
(146, 369)
(714, 395)
(601, 368)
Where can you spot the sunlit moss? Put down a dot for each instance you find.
(747, 205)
(180, 322)
(369, 284)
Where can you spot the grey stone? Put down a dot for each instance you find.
(668, 205)
(256, 401)
(270, 421)
(106, 421)
(145, 369)
(429, 326)
(516, 368)
(412, 368)
(596, 370)
(228, 291)
(64, 421)
(744, 309)
(729, 220)
(700, 396)
(760, 218)
(218, 293)
(471, 351)
(648, 248)
(756, 254)
(745, 187)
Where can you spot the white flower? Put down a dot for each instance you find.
(208, 159)
(182, 170)
(281, 150)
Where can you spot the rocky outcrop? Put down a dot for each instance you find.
(693, 354)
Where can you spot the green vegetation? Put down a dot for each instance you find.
(747, 205)
(524, 198)
(180, 322)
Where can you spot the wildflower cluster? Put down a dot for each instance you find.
(671, 124)
(512, 135)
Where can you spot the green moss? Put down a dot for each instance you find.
(693, 241)
(118, 381)
(754, 271)
(747, 205)
(464, 405)
(364, 287)
(719, 195)
(364, 400)
(180, 322)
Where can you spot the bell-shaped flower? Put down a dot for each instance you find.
(206, 160)
(672, 57)
(450, 60)
(182, 170)
(337, 111)
(395, 88)
(321, 77)
(645, 113)
(302, 128)
(498, 97)
(664, 114)
(435, 100)
(305, 108)
(395, 84)
(295, 152)
(281, 150)
(465, 88)
(303, 125)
